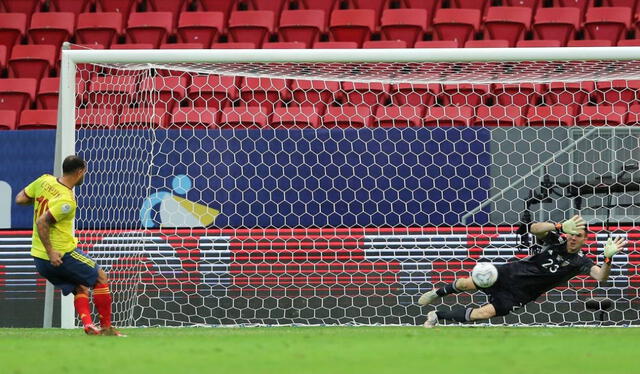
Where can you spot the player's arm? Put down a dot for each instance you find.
(23, 199)
(43, 224)
(571, 226)
(613, 246)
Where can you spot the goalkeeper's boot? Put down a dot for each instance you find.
(428, 298)
(432, 320)
(111, 331)
(91, 329)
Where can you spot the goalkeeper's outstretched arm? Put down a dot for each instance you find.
(571, 226)
(613, 246)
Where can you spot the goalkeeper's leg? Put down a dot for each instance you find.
(460, 315)
(458, 285)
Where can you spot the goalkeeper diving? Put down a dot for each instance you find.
(559, 259)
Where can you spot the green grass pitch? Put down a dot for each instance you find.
(326, 350)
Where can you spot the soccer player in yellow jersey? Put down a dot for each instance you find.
(54, 246)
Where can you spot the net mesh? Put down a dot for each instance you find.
(310, 193)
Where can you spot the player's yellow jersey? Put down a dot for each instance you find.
(50, 195)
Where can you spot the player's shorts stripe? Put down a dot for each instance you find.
(83, 259)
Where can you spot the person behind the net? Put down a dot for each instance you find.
(520, 282)
(54, 247)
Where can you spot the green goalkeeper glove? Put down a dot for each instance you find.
(613, 246)
(573, 225)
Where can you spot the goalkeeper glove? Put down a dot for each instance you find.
(612, 247)
(573, 225)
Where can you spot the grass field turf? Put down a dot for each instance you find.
(327, 350)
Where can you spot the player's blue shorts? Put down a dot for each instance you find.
(77, 269)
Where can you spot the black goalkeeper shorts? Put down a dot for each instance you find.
(502, 294)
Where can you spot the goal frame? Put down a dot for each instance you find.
(66, 137)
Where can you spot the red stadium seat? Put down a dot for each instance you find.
(522, 94)
(335, 45)
(398, 116)
(448, 116)
(283, 45)
(3, 58)
(142, 118)
(498, 115)
(17, 93)
(580, 4)
(326, 5)
(538, 43)
(212, 91)
(315, 92)
(200, 27)
(12, 28)
(429, 5)
(96, 118)
(456, 24)
(253, 26)
(602, 115)
(569, 93)
(437, 44)
(238, 45)
(112, 91)
(510, 23)
(74, 6)
(132, 46)
(265, 92)
(532, 4)
(408, 25)
(617, 92)
(377, 44)
(371, 94)
(633, 115)
(464, 94)
(632, 4)
(174, 7)
(415, 94)
(31, 61)
(151, 27)
(99, 28)
(376, 5)
(551, 115)
(249, 117)
(38, 119)
(303, 26)
(197, 118)
(556, 24)
(590, 43)
(47, 97)
(296, 117)
(480, 5)
(276, 6)
(629, 43)
(8, 119)
(347, 116)
(125, 7)
(223, 6)
(608, 23)
(181, 46)
(352, 25)
(51, 28)
(489, 43)
(27, 7)
(165, 91)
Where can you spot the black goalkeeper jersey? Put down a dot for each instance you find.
(550, 267)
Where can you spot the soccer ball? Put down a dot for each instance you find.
(484, 274)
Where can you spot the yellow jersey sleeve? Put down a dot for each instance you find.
(32, 189)
(62, 209)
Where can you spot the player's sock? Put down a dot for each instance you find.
(81, 303)
(102, 300)
(448, 289)
(457, 314)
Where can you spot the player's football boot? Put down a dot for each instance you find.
(428, 298)
(432, 320)
(111, 331)
(91, 329)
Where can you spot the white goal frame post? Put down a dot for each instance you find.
(65, 133)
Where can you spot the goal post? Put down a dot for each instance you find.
(334, 186)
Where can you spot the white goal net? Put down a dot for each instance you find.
(242, 191)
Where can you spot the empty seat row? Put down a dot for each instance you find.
(254, 117)
(306, 26)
